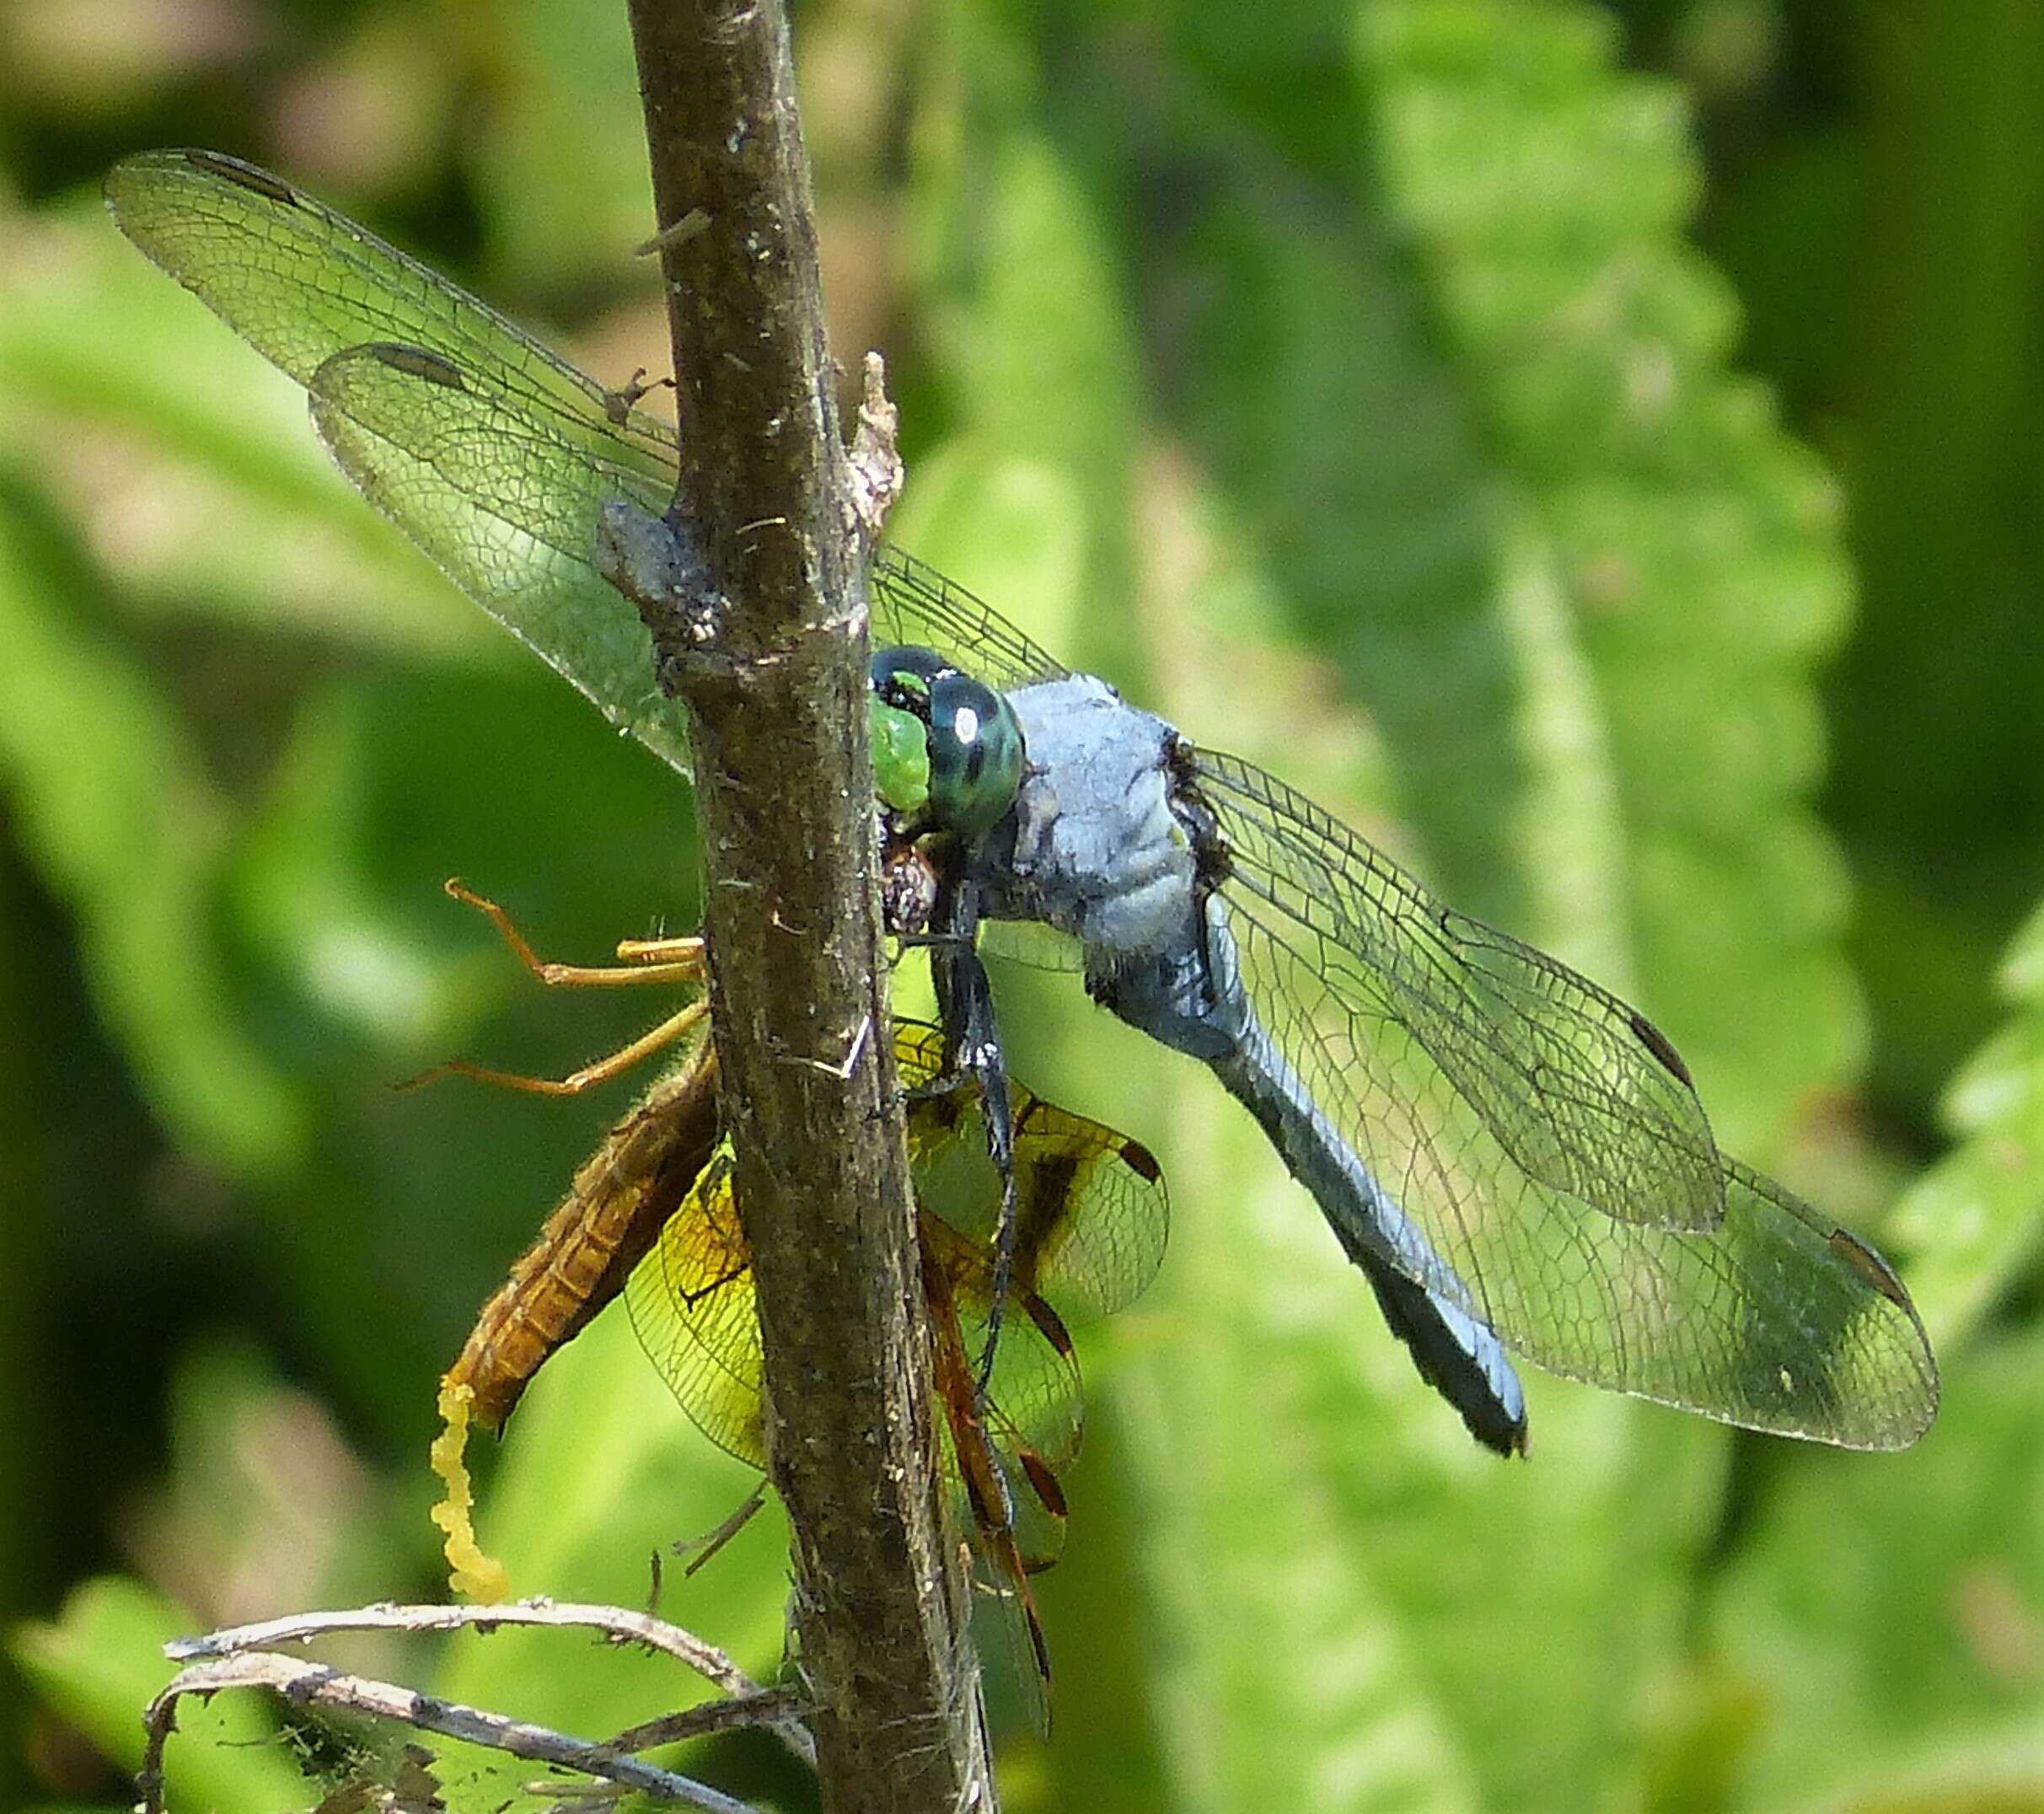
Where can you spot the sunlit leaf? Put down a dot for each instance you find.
(1973, 1223)
(1886, 1614)
(100, 1662)
(1693, 549)
(113, 801)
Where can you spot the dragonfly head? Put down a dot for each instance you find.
(947, 749)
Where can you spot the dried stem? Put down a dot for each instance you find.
(234, 1659)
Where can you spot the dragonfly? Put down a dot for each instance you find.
(652, 1214)
(1517, 1161)
(1088, 1239)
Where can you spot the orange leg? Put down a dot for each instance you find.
(687, 950)
(602, 1071)
(667, 960)
(657, 960)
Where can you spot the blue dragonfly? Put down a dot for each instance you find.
(1516, 1160)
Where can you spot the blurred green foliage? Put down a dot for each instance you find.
(1372, 387)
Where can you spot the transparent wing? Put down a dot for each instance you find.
(693, 1308)
(1583, 1093)
(1545, 1141)
(1092, 1215)
(300, 283)
(488, 450)
(505, 502)
(1091, 1227)
(1091, 1220)
(1034, 946)
(915, 603)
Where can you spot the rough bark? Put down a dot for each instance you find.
(767, 506)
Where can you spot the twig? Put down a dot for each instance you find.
(620, 1624)
(768, 1708)
(305, 1684)
(771, 1708)
(876, 475)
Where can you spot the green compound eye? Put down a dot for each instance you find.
(971, 745)
(901, 756)
(975, 755)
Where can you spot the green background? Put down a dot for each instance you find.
(1594, 448)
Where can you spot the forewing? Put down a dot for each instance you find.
(301, 282)
(513, 524)
(692, 1306)
(914, 604)
(504, 496)
(1582, 1093)
(1770, 1317)
(1091, 1212)
(500, 489)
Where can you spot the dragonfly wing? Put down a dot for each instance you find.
(1581, 1092)
(1091, 1212)
(512, 519)
(914, 604)
(1772, 1317)
(1092, 1215)
(505, 501)
(692, 1307)
(301, 282)
(305, 285)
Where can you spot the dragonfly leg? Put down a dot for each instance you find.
(688, 951)
(701, 1549)
(658, 960)
(680, 1021)
(973, 1049)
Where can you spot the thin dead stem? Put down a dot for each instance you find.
(241, 1656)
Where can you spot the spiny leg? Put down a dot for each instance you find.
(680, 960)
(657, 960)
(678, 1023)
(689, 950)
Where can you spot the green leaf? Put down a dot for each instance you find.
(1884, 1613)
(1020, 523)
(1972, 1222)
(189, 463)
(114, 804)
(563, 173)
(1028, 315)
(100, 1663)
(1694, 548)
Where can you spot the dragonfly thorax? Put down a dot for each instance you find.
(1099, 847)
